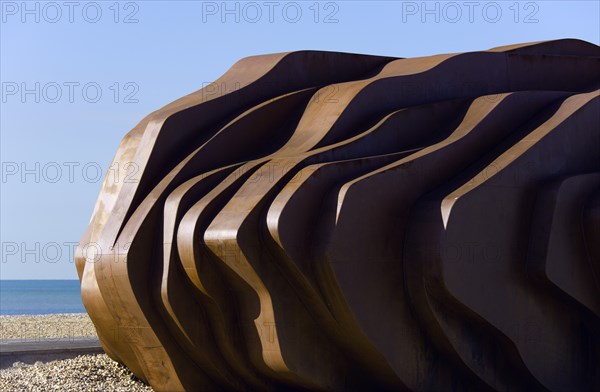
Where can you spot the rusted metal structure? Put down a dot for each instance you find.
(332, 221)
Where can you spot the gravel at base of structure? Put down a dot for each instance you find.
(83, 373)
(43, 326)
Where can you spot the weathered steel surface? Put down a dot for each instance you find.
(330, 221)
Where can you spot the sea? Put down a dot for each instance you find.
(40, 297)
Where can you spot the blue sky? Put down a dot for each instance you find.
(77, 76)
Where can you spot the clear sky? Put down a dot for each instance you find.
(76, 76)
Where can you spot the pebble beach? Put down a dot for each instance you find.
(83, 373)
(28, 328)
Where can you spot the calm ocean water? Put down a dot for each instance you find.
(40, 297)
